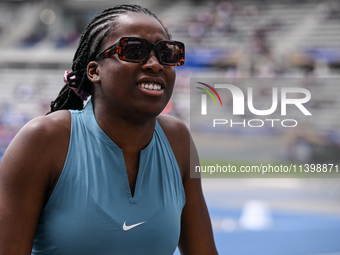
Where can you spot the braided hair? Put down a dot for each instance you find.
(90, 43)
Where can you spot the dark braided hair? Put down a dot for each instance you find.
(90, 43)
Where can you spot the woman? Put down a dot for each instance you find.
(114, 177)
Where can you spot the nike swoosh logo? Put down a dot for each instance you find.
(126, 228)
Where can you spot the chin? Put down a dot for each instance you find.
(149, 115)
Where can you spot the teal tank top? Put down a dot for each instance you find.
(91, 209)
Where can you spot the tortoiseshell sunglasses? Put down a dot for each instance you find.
(137, 50)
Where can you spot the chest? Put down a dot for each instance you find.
(132, 166)
(93, 211)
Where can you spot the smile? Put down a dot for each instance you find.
(150, 86)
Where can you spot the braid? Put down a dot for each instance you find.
(67, 99)
(89, 45)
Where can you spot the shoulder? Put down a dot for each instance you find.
(178, 136)
(47, 128)
(173, 127)
(52, 122)
(41, 145)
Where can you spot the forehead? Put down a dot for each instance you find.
(137, 25)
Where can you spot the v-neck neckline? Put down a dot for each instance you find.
(95, 129)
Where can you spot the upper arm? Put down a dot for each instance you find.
(26, 175)
(196, 231)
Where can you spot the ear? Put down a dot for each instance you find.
(93, 72)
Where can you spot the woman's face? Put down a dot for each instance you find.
(119, 89)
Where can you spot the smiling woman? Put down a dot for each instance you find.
(113, 177)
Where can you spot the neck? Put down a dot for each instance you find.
(130, 135)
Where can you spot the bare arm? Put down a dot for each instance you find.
(196, 231)
(27, 175)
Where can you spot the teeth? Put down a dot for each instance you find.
(150, 86)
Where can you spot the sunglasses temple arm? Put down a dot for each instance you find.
(107, 52)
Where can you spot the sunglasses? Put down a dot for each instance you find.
(137, 50)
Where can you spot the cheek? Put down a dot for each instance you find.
(171, 76)
(112, 76)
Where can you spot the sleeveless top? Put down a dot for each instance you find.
(91, 209)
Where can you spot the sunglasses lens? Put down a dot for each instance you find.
(135, 50)
(170, 53)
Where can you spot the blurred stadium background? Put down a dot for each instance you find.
(224, 39)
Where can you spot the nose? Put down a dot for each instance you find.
(152, 64)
